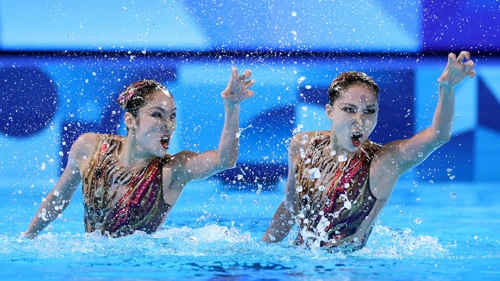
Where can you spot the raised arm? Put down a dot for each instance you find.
(60, 196)
(400, 156)
(206, 164)
(284, 217)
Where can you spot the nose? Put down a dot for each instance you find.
(169, 125)
(358, 121)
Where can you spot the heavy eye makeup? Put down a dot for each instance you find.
(158, 112)
(350, 108)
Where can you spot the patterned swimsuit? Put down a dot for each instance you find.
(118, 201)
(334, 193)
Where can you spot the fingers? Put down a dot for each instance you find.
(472, 73)
(249, 83)
(462, 55)
(249, 94)
(246, 74)
(451, 57)
(469, 64)
(234, 72)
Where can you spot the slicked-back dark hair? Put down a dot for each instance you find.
(346, 79)
(134, 97)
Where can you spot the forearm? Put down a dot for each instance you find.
(443, 116)
(281, 224)
(50, 209)
(229, 140)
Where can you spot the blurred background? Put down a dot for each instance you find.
(64, 63)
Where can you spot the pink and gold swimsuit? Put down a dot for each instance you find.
(334, 193)
(119, 201)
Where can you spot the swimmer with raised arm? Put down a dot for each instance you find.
(131, 183)
(339, 180)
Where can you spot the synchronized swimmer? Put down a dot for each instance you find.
(339, 180)
(131, 183)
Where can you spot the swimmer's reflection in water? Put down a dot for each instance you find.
(339, 180)
(131, 183)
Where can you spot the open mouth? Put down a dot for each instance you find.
(165, 141)
(356, 138)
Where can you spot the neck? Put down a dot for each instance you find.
(337, 148)
(131, 155)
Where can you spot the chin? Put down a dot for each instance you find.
(159, 152)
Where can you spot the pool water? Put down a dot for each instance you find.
(431, 231)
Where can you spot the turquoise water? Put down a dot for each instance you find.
(428, 231)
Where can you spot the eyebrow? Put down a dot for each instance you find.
(161, 109)
(353, 105)
(349, 104)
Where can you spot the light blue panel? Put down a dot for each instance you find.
(98, 25)
(369, 25)
(486, 153)
(491, 77)
(350, 26)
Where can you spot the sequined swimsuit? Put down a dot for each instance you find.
(118, 201)
(334, 193)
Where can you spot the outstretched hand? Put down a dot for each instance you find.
(238, 88)
(457, 69)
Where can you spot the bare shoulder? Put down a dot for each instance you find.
(305, 138)
(389, 149)
(175, 174)
(176, 163)
(301, 141)
(385, 156)
(87, 141)
(84, 146)
(383, 171)
(182, 157)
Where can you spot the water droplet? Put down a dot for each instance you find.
(314, 173)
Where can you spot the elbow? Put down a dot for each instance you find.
(227, 164)
(442, 138)
(227, 160)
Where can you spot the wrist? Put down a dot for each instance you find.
(230, 104)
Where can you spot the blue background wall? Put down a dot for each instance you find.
(62, 66)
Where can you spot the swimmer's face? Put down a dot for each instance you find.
(155, 123)
(354, 116)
